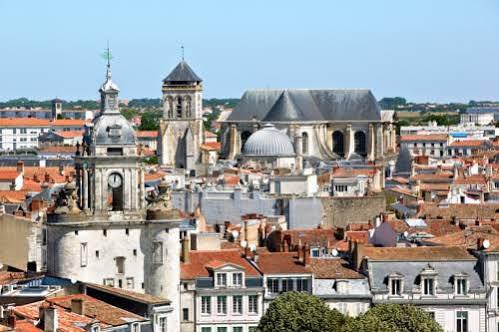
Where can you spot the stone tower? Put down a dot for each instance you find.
(102, 230)
(181, 127)
(56, 108)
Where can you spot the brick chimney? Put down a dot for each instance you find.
(185, 249)
(78, 306)
(47, 177)
(20, 167)
(358, 255)
(479, 243)
(11, 321)
(306, 255)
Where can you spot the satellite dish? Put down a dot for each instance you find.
(486, 244)
(74, 281)
(244, 244)
(335, 252)
(406, 234)
(253, 247)
(235, 234)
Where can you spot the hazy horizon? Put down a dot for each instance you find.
(424, 51)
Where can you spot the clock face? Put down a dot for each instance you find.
(114, 180)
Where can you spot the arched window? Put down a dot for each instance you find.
(360, 146)
(338, 143)
(179, 107)
(188, 107)
(304, 143)
(244, 137)
(170, 107)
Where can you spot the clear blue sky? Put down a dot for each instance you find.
(424, 50)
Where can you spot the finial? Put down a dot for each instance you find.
(107, 56)
(182, 48)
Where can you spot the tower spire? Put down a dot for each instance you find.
(107, 55)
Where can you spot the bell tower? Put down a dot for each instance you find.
(111, 178)
(181, 127)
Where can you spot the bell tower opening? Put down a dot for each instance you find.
(115, 192)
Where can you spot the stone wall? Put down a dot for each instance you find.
(340, 211)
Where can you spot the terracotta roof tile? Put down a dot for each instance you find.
(8, 175)
(312, 237)
(26, 326)
(468, 143)
(417, 253)
(472, 179)
(146, 133)
(198, 260)
(461, 211)
(102, 311)
(281, 263)
(58, 149)
(24, 122)
(140, 297)
(71, 134)
(333, 268)
(211, 146)
(14, 197)
(430, 137)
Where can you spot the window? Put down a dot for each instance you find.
(273, 285)
(135, 327)
(253, 304)
(432, 314)
(221, 279)
(83, 254)
(120, 265)
(206, 329)
(127, 231)
(97, 253)
(428, 286)
(95, 328)
(135, 252)
(315, 252)
(157, 255)
(120, 283)
(304, 143)
(237, 279)
(130, 284)
(162, 324)
(104, 232)
(360, 146)
(109, 282)
(237, 304)
(341, 188)
(221, 329)
(461, 286)
(222, 305)
(206, 305)
(396, 287)
(179, 107)
(237, 329)
(338, 143)
(462, 321)
(302, 285)
(185, 313)
(252, 329)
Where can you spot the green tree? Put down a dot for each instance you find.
(150, 120)
(128, 113)
(402, 318)
(300, 312)
(366, 323)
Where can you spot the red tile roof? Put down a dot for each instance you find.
(349, 172)
(8, 175)
(71, 134)
(281, 263)
(472, 179)
(68, 122)
(417, 253)
(430, 137)
(211, 146)
(146, 133)
(199, 260)
(467, 143)
(103, 312)
(333, 268)
(24, 122)
(209, 134)
(14, 197)
(58, 149)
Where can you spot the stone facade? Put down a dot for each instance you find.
(181, 127)
(340, 211)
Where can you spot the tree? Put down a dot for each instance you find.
(150, 120)
(366, 323)
(300, 312)
(395, 317)
(128, 113)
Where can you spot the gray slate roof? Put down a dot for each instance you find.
(306, 105)
(411, 270)
(182, 73)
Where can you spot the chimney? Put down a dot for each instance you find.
(300, 252)
(20, 167)
(278, 239)
(285, 246)
(12, 186)
(185, 249)
(51, 319)
(78, 306)
(306, 255)
(358, 254)
(61, 169)
(479, 243)
(11, 321)
(47, 177)
(478, 222)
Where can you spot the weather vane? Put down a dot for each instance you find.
(107, 55)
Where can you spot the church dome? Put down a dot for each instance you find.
(268, 142)
(113, 129)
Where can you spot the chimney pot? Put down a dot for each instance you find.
(51, 320)
(78, 306)
(185, 249)
(12, 320)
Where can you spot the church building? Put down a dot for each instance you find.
(101, 229)
(181, 127)
(336, 124)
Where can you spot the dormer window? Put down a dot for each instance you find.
(428, 286)
(114, 131)
(237, 279)
(395, 284)
(221, 279)
(428, 281)
(461, 284)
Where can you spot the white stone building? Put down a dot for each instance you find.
(477, 118)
